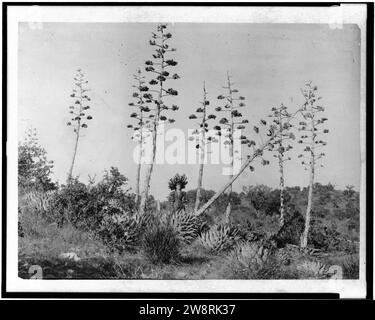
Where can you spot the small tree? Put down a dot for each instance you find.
(199, 135)
(282, 118)
(139, 128)
(230, 122)
(33, 167)
(78, 112)
(159, 66)
(311, 129)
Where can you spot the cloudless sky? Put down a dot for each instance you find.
(269, 64)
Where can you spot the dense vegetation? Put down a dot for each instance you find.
(98, 221)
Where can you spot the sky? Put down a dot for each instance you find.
(269, 64)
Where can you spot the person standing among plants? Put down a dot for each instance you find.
(177, 198)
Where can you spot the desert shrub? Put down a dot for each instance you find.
(220, 238)
(350, 267)
(85, 206)
(33, 225)
(292, 229)
(352, 209)
(353, 225)
(266, 200)
(338, 213)
(250, 253)
(272, 203)
(21, 233)
(161, 244)
(323, 236)
(326, 237)
(257, 195)
(33, 167)
(119, 234)
(320, 212)
(123, 231)
(349, 191)
(71, 203)
(254, 260)
(249, 232)
(313, 269)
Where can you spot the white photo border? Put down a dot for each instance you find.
(335, 16)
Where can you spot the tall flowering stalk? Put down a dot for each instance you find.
(159, 67)
(232, 121)
(257, 152)
(139, 128)
(78, 112)
(311, 139)
(282, 119)
(200, 135)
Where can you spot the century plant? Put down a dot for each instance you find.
(311, 140)
(160, 67)
(230, 122)
(78, 112)
(282, 118)
(202, 139)
(139, 128)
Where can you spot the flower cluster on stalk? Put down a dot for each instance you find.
(79, 108)
(203, 117)
(311, 128)
(160, 67)
(230, 106)
(142, 109)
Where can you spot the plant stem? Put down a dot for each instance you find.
(137, 187)
(150, 167)
(203, 150)
(77, 138)
(305, 235)
(229, 203)
(281, 168)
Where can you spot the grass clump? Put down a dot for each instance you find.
(161, 244)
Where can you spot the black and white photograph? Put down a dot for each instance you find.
(223, 147)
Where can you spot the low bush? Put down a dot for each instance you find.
(85, 206)
(255, 261)
(322, 236)
(119, 234)
(320, 212)
(350, 267)
(292, 229)
(123, 232)
(33, 225)
(160, 244)
(339, 213)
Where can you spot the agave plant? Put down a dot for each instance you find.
(201, 138)
(140, 127)
(281, 146)
(248, 253)
(231, 121)
(311, 129)
(186, 225)
(78, 112)
(220, 238)
(160, 67)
